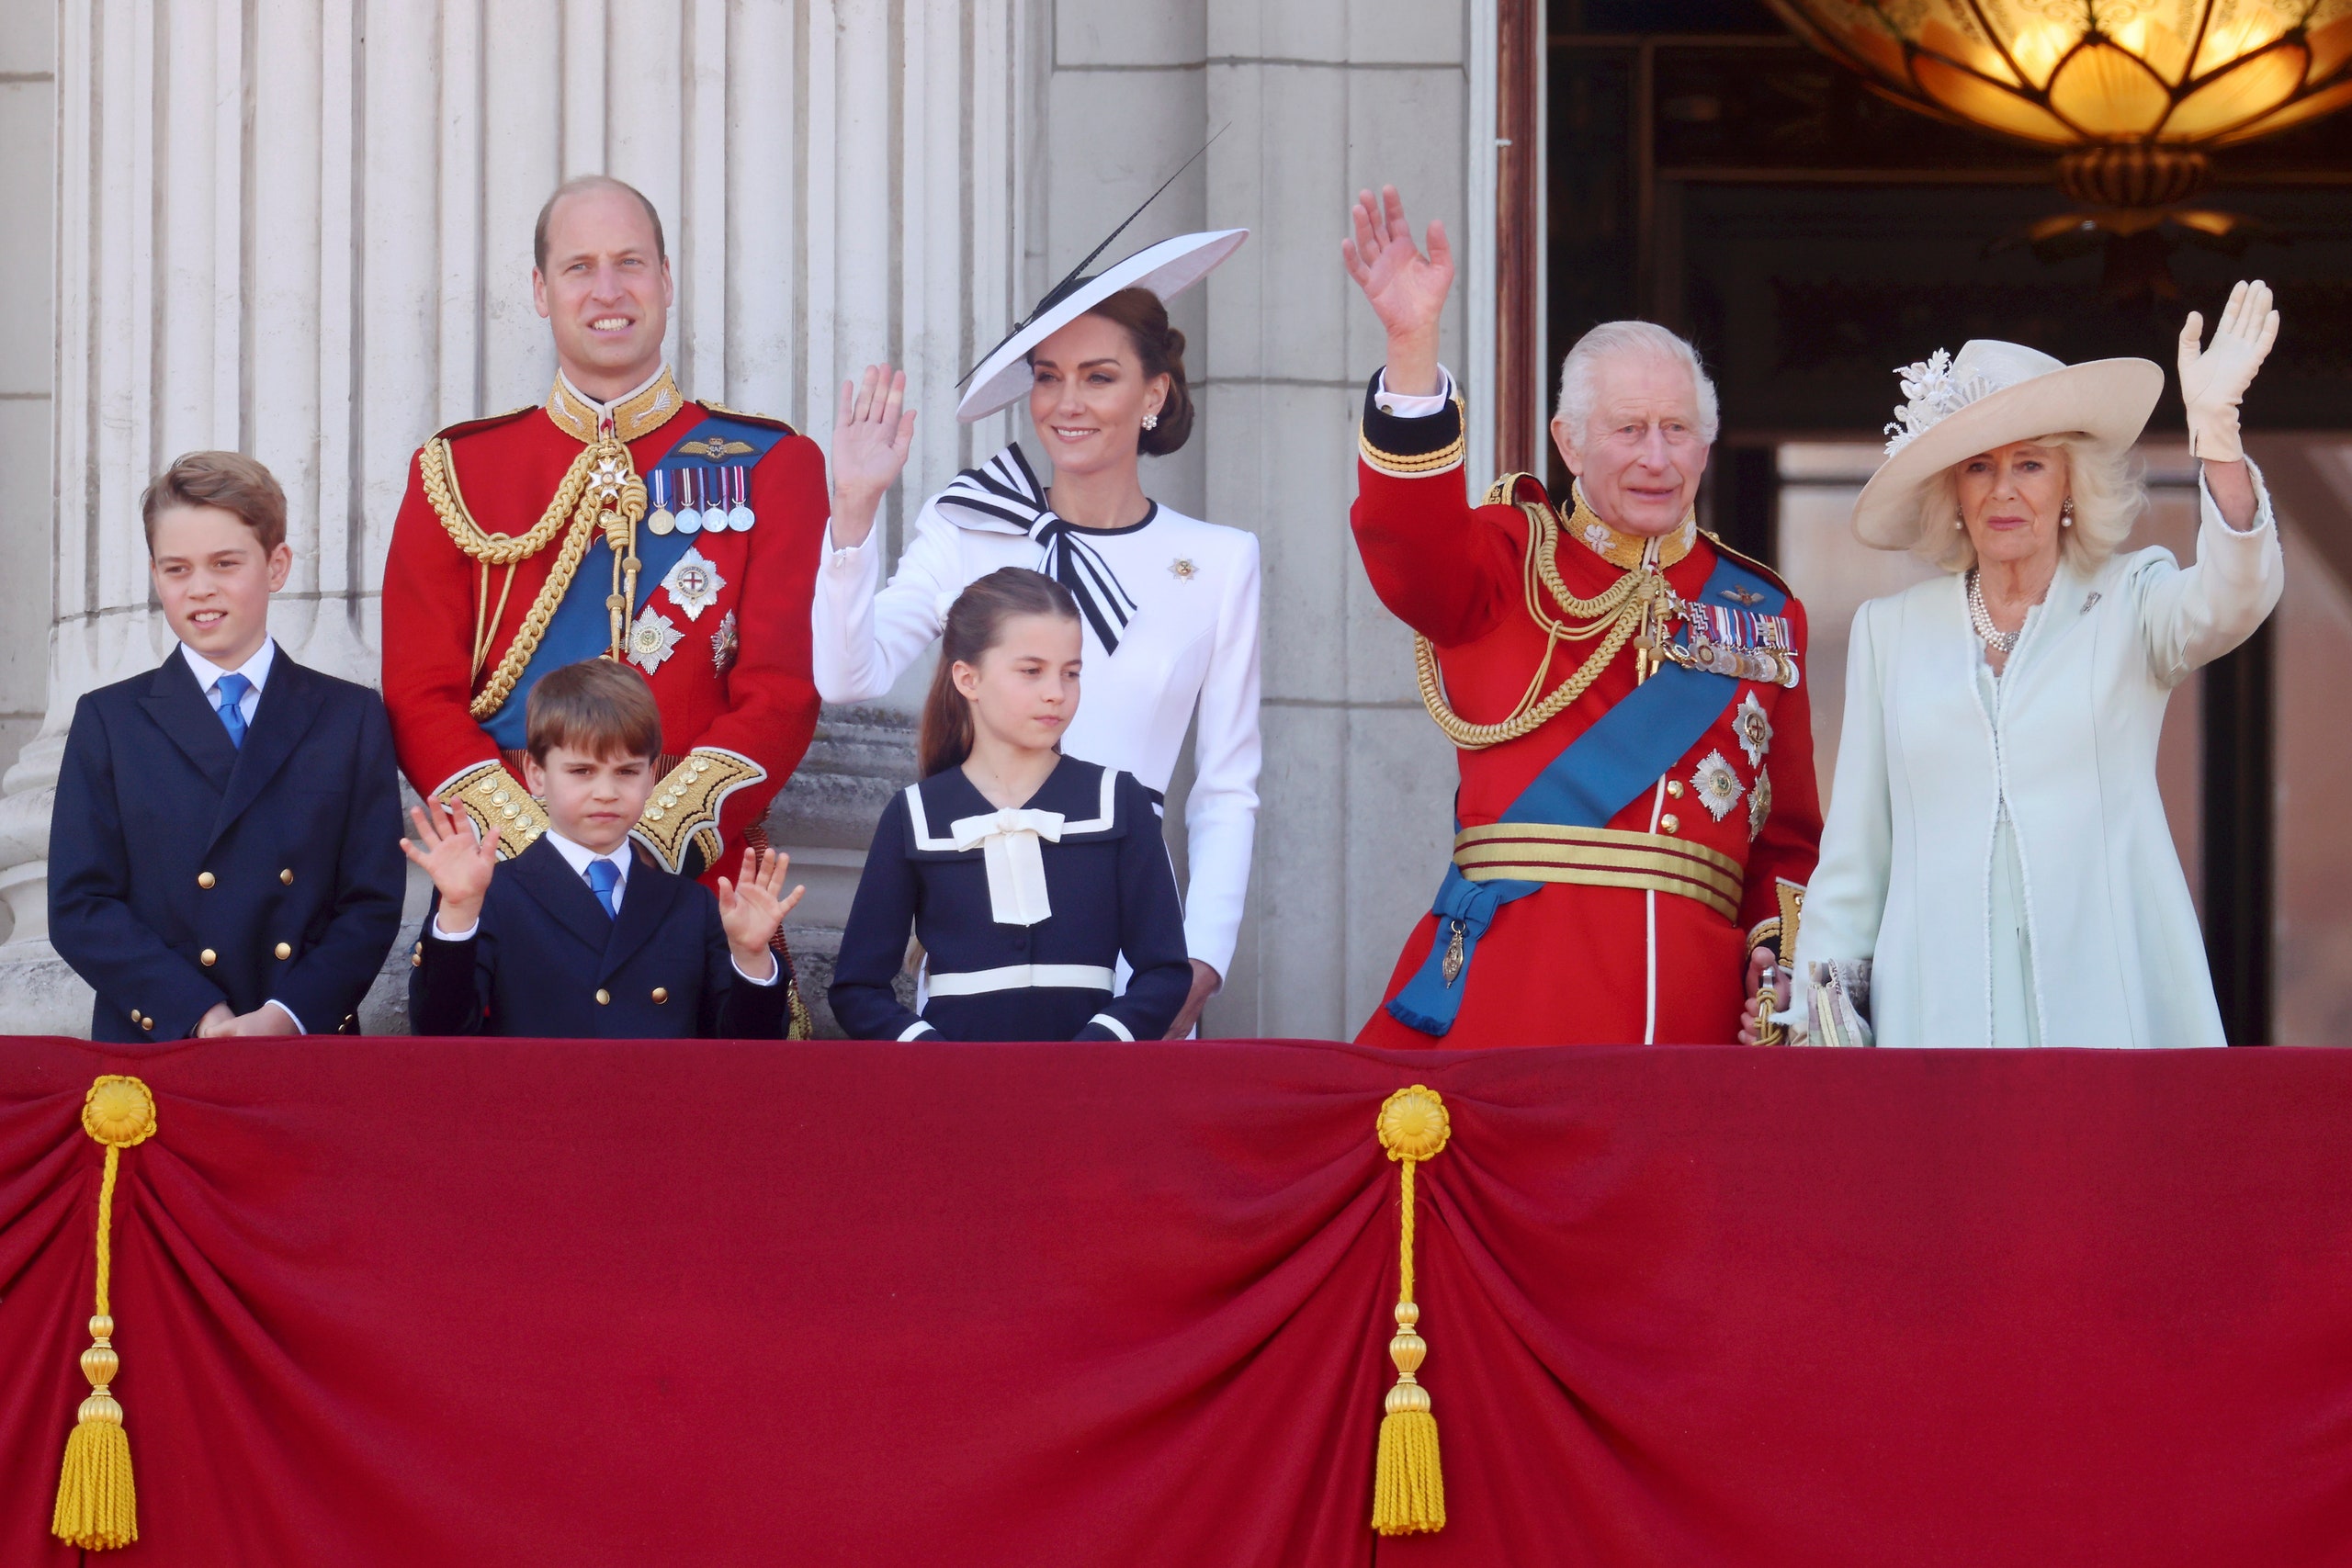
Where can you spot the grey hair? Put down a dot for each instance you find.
(2107, 486)
(1580, 372)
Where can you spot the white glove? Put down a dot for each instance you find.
(2212, 381)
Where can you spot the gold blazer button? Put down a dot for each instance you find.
(284, 950)
(208, 958)
(1674, 788)
(148, 1025)
(603, 998)
(286, 876)
(1669, 823)
(204, 879)
(660, 993)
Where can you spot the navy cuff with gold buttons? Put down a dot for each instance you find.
(1411, 448)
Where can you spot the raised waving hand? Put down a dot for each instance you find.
(1406, 288)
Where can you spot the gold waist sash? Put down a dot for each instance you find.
(1600, 857)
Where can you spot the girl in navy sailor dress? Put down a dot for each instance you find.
(1026, 874)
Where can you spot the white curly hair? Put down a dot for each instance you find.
(1580, 372)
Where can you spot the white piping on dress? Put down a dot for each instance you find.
(922, 823)
(1649, 906)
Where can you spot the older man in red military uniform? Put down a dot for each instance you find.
(1637, 814)
(618, 518)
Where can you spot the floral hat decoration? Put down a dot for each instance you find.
(1987, 395)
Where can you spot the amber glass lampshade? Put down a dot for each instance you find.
(2131, 90)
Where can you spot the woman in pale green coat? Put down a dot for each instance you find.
(1997, 869)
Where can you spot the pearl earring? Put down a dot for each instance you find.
(1960, 520)
(2066, 512)
(1151, 422)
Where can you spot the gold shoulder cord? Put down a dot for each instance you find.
(601, 481)
(1613, 615)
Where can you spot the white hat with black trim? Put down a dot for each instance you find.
(1987, 395)
(1167, 269)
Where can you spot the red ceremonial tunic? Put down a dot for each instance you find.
(740, 678)
(1569, 964)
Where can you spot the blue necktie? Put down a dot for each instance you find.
(233, 690)
(602, 878)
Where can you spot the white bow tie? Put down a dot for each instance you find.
(1010, 842)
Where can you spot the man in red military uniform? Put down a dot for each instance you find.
(621, 519)
(1637, 814)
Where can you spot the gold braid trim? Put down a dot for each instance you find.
(1614, 615)
(494, 799)
(683, 812)
(601, 488)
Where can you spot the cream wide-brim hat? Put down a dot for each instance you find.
(1989, 395)
(1167, 269)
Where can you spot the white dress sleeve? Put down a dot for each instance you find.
(1221, 812)
(1846, 901)
(862, 639)
(2191, 615)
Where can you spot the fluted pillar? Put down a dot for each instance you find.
(303, 228)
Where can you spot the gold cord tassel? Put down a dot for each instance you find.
(97, 1506)
(1407, 1487)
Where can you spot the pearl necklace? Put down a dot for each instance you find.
(1981, 619)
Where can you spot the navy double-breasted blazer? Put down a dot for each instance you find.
(185, 871)
(546, 960)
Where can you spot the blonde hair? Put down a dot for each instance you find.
(2106, 486)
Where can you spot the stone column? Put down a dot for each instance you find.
(303, 230)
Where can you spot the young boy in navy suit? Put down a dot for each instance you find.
(221, 854)
(581, 936)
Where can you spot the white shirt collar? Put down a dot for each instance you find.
(577, 856)
(256, 670)
(605, 410)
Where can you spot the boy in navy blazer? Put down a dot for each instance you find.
(582, 935)
(222, 854)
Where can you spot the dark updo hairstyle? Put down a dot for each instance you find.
(976, 624)
(1162, 349)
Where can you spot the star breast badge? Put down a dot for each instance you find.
(1182, 570)
(694, 584)
(1754, 727)
(1760, 804)
(1717, 787)
(725, 643)
(652, 640)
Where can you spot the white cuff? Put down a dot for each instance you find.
(290, 1012)
(466, 935)
(1403, 406)
(846, 558)
(916, 1030)
(775, 970)
(1113, 1025)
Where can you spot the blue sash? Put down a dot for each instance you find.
(1594, 777)
(582, 625)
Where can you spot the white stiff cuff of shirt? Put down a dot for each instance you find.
(844, 557)
(290, 1012)
(775, 970)
(1403, 406)
(916, 1030)
(1113, 1025)
(466, 935)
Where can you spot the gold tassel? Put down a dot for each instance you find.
(97, 1506)
(1407, 1486)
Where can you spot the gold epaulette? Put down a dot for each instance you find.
(683, 812)
(496, 798)
(1419, 465)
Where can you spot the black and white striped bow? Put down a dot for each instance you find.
(1003, 495)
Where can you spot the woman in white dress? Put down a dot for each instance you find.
(1169, 602)
(1997, 869)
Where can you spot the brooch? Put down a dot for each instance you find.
(1717, 787)
(1760, 804)
(1182, 570)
